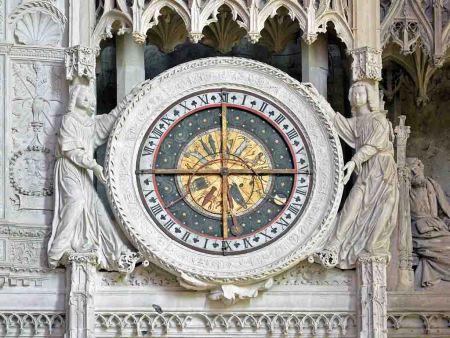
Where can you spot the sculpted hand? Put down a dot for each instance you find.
(348, 169)
(98, 172)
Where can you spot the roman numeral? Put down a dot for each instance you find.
(147, 192)
(263, 106)
(302, 167)
(280, 118)
(147, 151)
(282, 221)
(226, 246)
(169, 224)
(156, 209)
(186, 236)
(206, 242)
(224, 97)
(299, 190)
(203, 98)
(300, 150)
(247, 243)
(292, 134)
(294, 208)
(244, 99)
(156, 133)
(266, 235)
(184, 105)
(167, 120)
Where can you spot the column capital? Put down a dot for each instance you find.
(80, 62)
(367, 64)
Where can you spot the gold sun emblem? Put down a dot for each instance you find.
(203, 191)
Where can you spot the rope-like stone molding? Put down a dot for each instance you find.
(319, 105)
(35, 6)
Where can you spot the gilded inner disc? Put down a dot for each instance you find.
(204, 191)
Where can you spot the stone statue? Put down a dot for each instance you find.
(369, 215)
(430, 221)
(81, 222)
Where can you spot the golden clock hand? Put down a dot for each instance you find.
(231, 171)
(176, 171)
(225, 206)
(224, 135)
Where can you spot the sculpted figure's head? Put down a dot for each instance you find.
(363, 98)
(82, 98)
(417, 173)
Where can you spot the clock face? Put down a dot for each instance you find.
(224, 172)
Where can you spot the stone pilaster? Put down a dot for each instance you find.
(130, 63)
(80, 281)
(404, 239)
(315, 64)
(372, 297)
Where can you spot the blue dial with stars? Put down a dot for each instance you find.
(224, 172)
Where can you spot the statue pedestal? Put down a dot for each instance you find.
(80, 281)
(372, 297)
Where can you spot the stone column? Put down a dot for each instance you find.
(80, 60)
(372, 295)
(366, 65)
(366, 51)
(80, 307)
(130, 64)
(315, 63)
(404, 238)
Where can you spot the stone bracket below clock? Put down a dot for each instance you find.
(227, 293)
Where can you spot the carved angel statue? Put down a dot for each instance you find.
(81, 222)
(430, 221)
(368, 217)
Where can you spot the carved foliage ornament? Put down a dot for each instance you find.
(231, 249)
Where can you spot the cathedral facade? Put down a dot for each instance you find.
(225, 168)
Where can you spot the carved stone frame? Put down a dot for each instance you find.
(305, 105)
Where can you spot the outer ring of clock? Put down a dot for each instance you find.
(300, 102)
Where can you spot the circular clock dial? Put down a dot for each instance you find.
(224, 172)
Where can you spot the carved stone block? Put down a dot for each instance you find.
(37, 103)
(80, 62)
(366, 64)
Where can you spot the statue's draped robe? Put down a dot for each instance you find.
(431, 236)
(369, 215)
(81, 222)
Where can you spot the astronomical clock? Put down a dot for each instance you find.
(224, 171)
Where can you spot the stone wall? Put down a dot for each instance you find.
(430, 124)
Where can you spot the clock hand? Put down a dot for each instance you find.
(225, 206)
